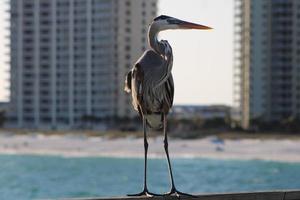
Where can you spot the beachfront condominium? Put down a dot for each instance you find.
(69, 59)
(267, 60)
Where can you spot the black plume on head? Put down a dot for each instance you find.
(161, 17)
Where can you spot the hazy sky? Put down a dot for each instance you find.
(202, 59)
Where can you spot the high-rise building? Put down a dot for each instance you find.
(267, 60)
(69, 58)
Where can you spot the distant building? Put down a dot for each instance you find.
(202, 112)
(267, 60)
(3, 112)
(69, 59)
(4, 106)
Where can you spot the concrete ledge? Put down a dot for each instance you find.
(267, 195)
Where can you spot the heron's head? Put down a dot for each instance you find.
(164, 22)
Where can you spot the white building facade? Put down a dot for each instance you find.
(69, 59)
(267, 60)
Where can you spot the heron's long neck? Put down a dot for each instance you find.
(163, 49)
(153, 41)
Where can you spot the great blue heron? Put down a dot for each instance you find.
(151, 85)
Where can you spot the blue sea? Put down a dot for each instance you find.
(40, 177)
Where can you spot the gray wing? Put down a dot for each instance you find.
(153, 67)
(151, 96)
(150, 63)
(150, 59)
(157, 95)
(169, 87)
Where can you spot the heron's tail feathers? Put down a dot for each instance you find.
(155, 121)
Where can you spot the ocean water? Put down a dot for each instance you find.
(40, 177)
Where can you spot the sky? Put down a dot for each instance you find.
(203, 60)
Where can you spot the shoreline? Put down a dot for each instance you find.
(211, 147)
(150, 156)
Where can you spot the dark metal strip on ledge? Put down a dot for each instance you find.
(267, 195)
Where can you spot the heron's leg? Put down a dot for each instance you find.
(145, 190)
(145, 154)
(166, 146)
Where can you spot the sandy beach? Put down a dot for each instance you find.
(70, 145)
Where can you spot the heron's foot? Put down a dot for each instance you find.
(145, 192)
(175, 192)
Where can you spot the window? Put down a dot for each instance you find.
(128, 21)
(127, 48)
(128, 30)
(128, 3)
(127, 56)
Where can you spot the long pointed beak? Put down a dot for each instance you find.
(189, 25)
(194, 26)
